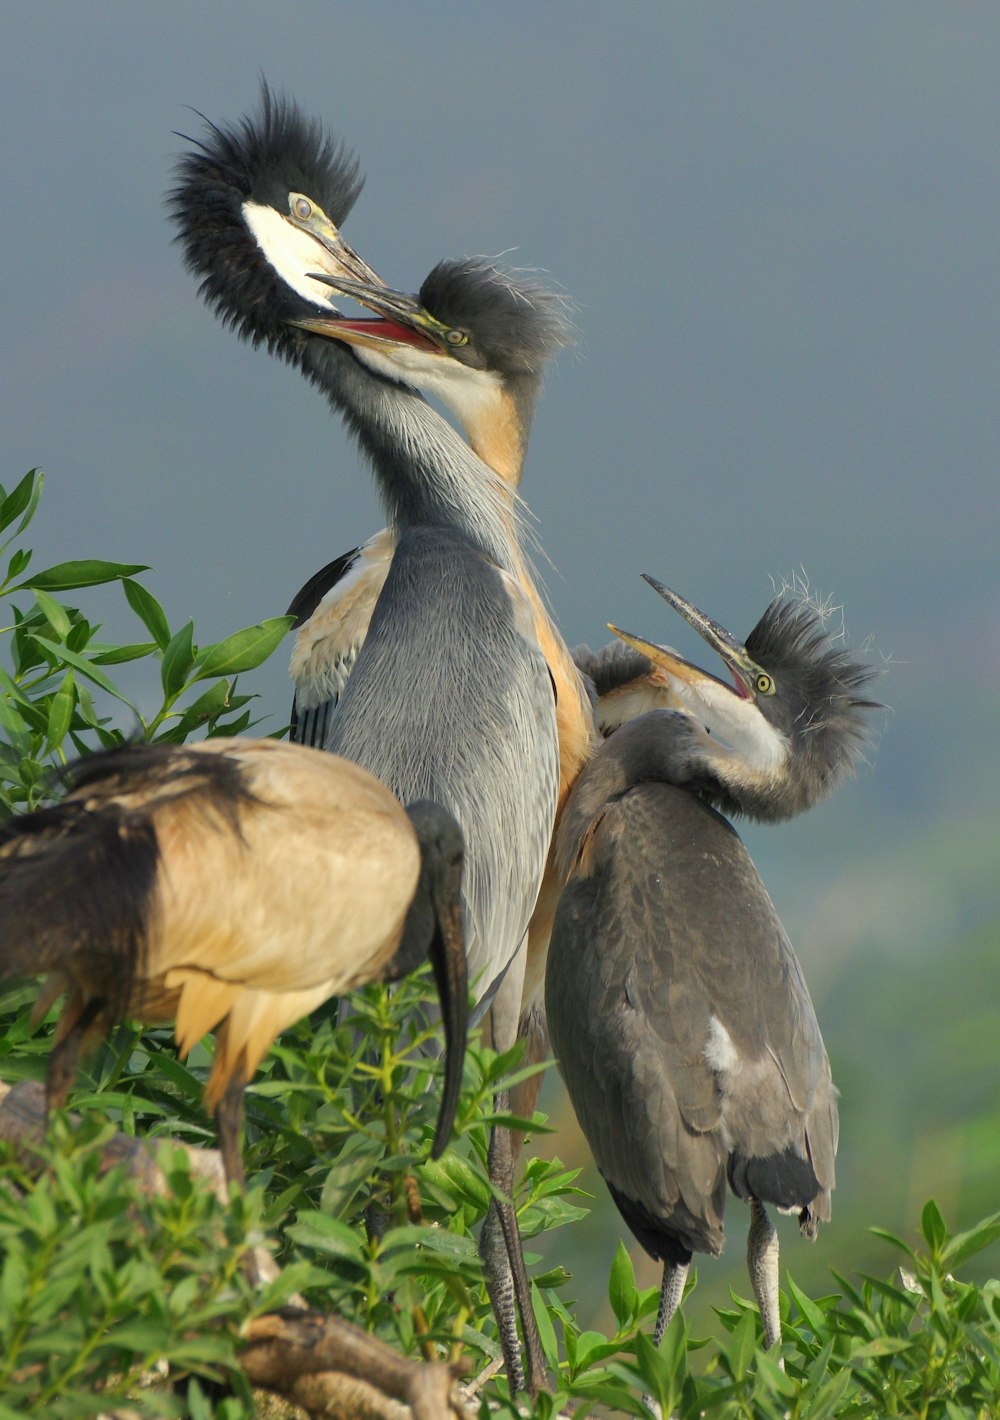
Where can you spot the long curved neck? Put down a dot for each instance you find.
(426, 474)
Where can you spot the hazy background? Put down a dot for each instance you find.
(780, 227)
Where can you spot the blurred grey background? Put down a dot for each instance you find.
(780, 228)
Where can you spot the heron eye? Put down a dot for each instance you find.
(456, 337)
(302, 208)
(764, 684)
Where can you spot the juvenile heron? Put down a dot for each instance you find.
(676, 1006)
(234, 886)
(450, 697)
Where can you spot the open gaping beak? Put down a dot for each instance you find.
(451, 976)
(727, 711)
(749, 678)
(399, 319)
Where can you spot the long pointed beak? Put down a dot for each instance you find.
(675, 667)
(304, 214)
(451, 976)
(398, 310)
(733, 652)
(372, 333)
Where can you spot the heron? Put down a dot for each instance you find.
(230, 886)
(480, 339)
(677, 1008)
(451, 697)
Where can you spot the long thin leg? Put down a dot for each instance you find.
(62, 1061)
(228, 1121)
(500, 1239)
(497, 1270)
(671, 1292)
(762, 1264)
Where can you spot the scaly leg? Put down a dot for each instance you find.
(762, 1264)
(671, 1292)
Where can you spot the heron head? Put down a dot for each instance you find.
(793, 718)
(476, 337)
(258, 206)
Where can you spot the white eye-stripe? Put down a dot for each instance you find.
(292, 252)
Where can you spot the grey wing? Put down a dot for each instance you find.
(628, 1036)
(763, 1042)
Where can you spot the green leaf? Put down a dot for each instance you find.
(546, 1330)
(932, 1226)
(148, 610)
(85, 667)
(89, 572)
(622, 1292)
(19, 559)
(891, 1238)
(118, 655)
(881, 1346)
(23, 497)
(810, 1311)
(206, 707)
(61, 708)
(742, 1344)
(965, 1245)
(327, 1235)
(178, 659)
(244, 649)
(14, 503)
(57, 616)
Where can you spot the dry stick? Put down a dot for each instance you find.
(286, 1346)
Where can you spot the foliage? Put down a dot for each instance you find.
(56, 662)
(106, 1295)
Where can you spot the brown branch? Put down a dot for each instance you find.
(22, 1122)
(345, 1368)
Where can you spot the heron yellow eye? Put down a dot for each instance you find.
(301, 208)
(456, 337)
(764, 685)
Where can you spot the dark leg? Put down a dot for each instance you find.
(62, 1061)
(503, 1265)
(228, 1121)
(762, 1264)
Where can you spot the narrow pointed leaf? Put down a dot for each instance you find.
(57, 616)
(148, 610)
(85, 667)
(244, 649)
(178, 659)
(89, 572)
(24, 496)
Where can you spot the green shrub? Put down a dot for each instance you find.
(108, 1296)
